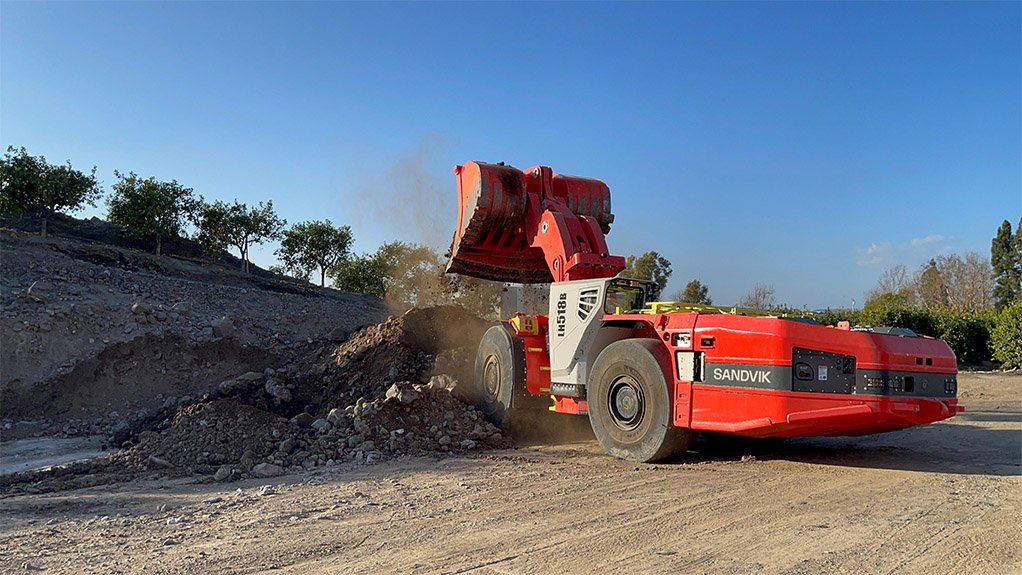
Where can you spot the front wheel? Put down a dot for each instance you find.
(629, 404)
(499, 369)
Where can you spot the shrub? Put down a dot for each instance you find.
(968, 333)
(833, 316)
(1006, 337)
(883, 312)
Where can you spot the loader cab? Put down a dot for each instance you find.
(626, 295)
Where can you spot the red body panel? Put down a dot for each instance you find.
(734, 339)
(768, 342)
(766, 413)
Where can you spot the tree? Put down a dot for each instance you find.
(309, 246)
(413, 275)
(362, 274)
(212, 222)
(651, 267)
(236, 225)
(946, 281)
(933, 292)
(149, 208)
(404, 275)
(695, 292)
(894, 282)
(29, 185)
(968, 280)
(481, 297)
(761, 298)
(1006, 259)
(410, 275)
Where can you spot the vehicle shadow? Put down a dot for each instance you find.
(989, 448)
(958, 448)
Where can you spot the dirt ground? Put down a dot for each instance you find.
(945, 498)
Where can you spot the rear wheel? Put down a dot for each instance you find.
(499, 369)
(629, 406)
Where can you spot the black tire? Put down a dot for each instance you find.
(629, 406)
(499, 370)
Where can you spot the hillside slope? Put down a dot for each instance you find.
(99, 333)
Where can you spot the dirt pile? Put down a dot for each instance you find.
(189, 368)
(230, 439)
(131, 382)
(375, 396)
(411, 347)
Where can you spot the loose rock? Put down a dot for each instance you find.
(223, 328)
(263, 470)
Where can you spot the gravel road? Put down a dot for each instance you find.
(945, 498)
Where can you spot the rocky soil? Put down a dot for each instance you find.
(183, 367)
(94, 335)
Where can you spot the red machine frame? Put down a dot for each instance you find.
(755, 341)
(730, 373)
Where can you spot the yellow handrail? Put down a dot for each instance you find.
(656, 307)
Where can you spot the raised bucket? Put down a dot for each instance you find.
(497, 206)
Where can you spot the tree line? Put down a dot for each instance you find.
(403, 274)
(146, 208)
(970, 301)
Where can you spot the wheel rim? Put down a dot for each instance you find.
(627, 403)
(491, 378)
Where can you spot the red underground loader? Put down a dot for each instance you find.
(651, 375)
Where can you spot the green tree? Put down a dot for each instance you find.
(1006, 336)
(404, 275)
(651, 267)
(1006, 259)
(311, 246)
(968, 332)
(212, 222)
(362, 274)
(31, 186)
(891, 310)
(409, 275)
(481, 297)
(695, 292)
(148, 208)
(236, 225)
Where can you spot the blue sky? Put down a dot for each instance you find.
(804, 145)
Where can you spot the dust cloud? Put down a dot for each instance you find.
(414, 199)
